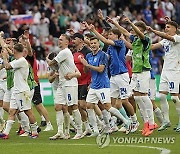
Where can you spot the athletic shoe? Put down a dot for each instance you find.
(122, 129)
(87, 132)
(4, 136)
(43, 124)
(25, 134)
(2, 125)
(128, 127)
(145, 128)
(18, 131)
(94, 134)
(135, 126)
(113, 129)
(164, 126)
(57, 136)
(67, 136)
(33, 136)
(38, 130)
(178, 128)
(78, 136)
(148, 132)
(48, 128)
(21, 132)
(153, 127)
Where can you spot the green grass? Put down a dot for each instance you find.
(18, 145)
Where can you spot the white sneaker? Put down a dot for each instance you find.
(135, 126)
(25, 134)
(48, 128)
(94, 134)
(67, 136)
(87, 132)
(113, 129)
(2, 125)
(77, 137)
(122, 129)
(57, 136)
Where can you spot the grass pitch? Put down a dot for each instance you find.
(159, 142)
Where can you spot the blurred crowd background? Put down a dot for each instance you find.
(51, 18)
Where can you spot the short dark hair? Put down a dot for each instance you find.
(78, 35)
(94, 38)
(116, 32)
(172, 23)
(18, 47)
(141, 24)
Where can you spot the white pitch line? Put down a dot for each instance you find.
(162, 150)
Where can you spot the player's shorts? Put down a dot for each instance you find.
(152, 89)
(82, 92)
(21, 101)
(170, 81)
(37, 99)
(54, 94)
(119, 86)
(67, 95)
(3, 87)
(140, 81)
(96, 95)
(7, 96)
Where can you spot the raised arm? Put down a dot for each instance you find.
(120, 28)
(161, 34)
(135, 28)
(98, 35)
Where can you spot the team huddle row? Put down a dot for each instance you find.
(83, 89)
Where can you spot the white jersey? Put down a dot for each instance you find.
(3, 74)
(21, 71)
(66, 65)
(172, 54)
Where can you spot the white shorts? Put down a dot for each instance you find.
(152, 89)
(67, 95)
(96, 95)
(119, 86)
(170, 81)
(54, 94)
(3, 87)
(7, 96)
(140, 81)
(21, 101)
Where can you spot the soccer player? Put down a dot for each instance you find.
(141, 70)
(169, 82)
(119, 74)
(67, 92)
(20, 99)
(100, 85)
(37, 99)
(84, 80)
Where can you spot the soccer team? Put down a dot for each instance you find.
(92, 85)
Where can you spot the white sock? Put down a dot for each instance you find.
(1, 114)
(72, 123)
(78, 121)
(92, 120)
(86, 125)
(142, 108)
(116, 112)
(159, 115)
(149, 108)
(34, 128)
(105, 114)
(60, 120)
(176, 101)
(134, 118)
(164, 107)
(42, 118)
(24, 121)
(113, 121)
(99, 120)
(9, 124)
(66, 122)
